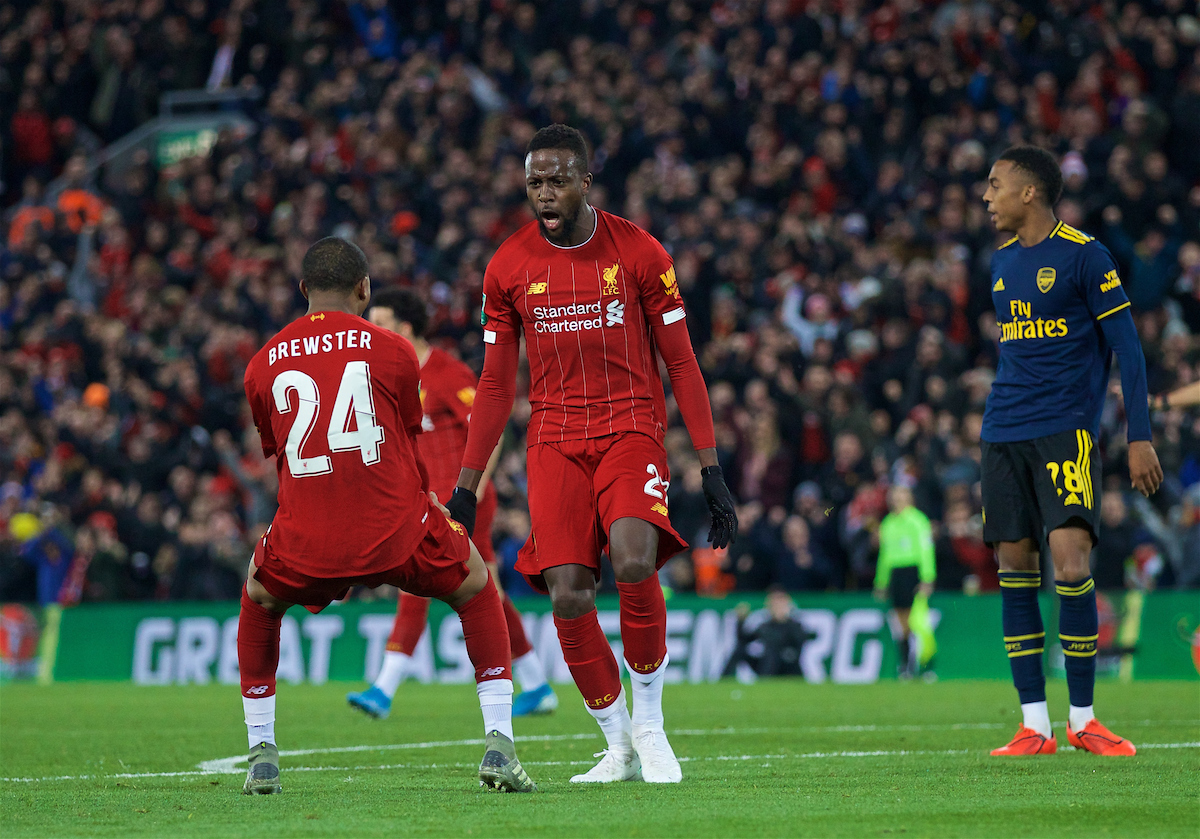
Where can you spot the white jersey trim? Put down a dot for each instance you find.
(672, 316)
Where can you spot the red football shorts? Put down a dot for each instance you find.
(485, 515)
(436, 568)
(578, 488)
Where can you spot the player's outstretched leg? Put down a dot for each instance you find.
(1025, 641)
(1079, 627)
(412, 613)
(258, 659)
(644, 635)
(536, 697)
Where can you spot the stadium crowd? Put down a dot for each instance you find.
(814, 168)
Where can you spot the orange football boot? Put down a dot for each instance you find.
(1028, 742)
(1098, 740)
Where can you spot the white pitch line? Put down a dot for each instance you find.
(459, 765)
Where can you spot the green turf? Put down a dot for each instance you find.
(769, 759)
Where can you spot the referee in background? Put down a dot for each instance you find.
(906, 571)
(1062, 313)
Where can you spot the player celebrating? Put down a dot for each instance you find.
(336, 399)
(594, 296)
(447, 393)
(1062, 312)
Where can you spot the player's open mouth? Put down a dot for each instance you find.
(551, 219)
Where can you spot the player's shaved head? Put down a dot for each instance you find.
(407, 307)
(333, 264)
(1040, 167)
(559, 136)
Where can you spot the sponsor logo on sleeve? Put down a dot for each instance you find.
(670, 283)
(483, 312)
(1111, 281)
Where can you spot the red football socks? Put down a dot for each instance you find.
(643, 624)
(258, 648)
(517, 641)
(411, 615)
(590, 659)
(486, 635)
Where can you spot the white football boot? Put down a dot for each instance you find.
(613, 766)
(659, 764)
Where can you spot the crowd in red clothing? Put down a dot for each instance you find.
(814, 169)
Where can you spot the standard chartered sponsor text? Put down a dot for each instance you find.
(552, 318)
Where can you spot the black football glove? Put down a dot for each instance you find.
(720, 507)
(462, 508)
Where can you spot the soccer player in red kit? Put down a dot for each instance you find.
(447, 393)
(336, 399)
(596, 298)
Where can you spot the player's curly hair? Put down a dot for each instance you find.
(333, 264)
(559, 136)
(406, 305)
(1041, 167)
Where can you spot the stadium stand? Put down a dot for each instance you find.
(815, 169)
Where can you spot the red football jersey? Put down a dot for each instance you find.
(447, 393)
(336, 398)
(586, 313)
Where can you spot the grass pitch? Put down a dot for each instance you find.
(778, 758)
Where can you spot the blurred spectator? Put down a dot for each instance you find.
(770, 639)
(1113, 561)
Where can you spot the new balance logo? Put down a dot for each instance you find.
(659, 508)
(537, 288)
(257, 690)
(493, 671)
(999, 286)
(615, 313)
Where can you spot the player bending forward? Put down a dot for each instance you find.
(1062, 312)
(594, 296)
(447, 393)
(336, 399)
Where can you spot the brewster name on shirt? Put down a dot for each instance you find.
(549, 318)
(346, 339)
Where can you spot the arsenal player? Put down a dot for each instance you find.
(447, 394)
(597, 301)
(336, 399)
